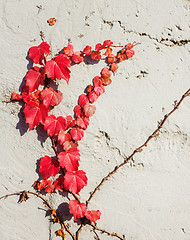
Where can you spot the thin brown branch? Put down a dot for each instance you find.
(63, 225)
(117, 46)
(47, 204)
(12, 194)
(54, 145)
(96, 235)
(78, 231)
(104, 231)
(139, 149)
(43, 199)
(75, 196)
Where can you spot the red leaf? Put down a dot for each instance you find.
(58, 68)
(69, 122)
(34, 114)
(105, 73)
(75, 181)
(68, 50)
(70, 159)
(78, 111)
(69, 144)
(121, 56)
(114, 67)
(82, 122)
(63, 137)
(129, 46)
(77, 209)
(37, 53)
(99, 46)
(16, 97)
(83, 100)
(108, 51)
(51, 97)
(77, 57)
(49, 188)
(130, 53)
(34, 96)
(98, 86)
(87, 50)
(44, 184)
(48, 167)
(54, 125)
(92, 97)
(111, 58)
(96, 55)
(34, 77)
(77, 134)
(58, 183)
(89, 88)
(106, 81)
(93, 216)
(107, 43)
(89, 110)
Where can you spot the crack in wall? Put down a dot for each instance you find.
(132, 162)
(163, 41)
(108, 139)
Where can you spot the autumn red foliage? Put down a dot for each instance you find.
(61, 172)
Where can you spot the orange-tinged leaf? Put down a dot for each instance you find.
(61, 233)
(68, 50)
(53, 211)
(23, 197)
(51, 21)
(130, 53)
(96, 55)
(77, 57)
(105, 73)
(87, 50)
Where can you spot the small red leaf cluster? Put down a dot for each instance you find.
(62, 172)
(79, 210)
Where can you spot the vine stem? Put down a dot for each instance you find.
(104, 231)
(78, 231)
(140, 148)
(47, 204)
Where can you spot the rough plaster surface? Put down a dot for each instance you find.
(149, 199)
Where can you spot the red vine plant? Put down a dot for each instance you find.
(61, 173)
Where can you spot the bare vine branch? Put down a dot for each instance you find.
(140, 148)
(104, 231)
(47, 204)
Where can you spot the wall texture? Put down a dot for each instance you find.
(148, 199)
